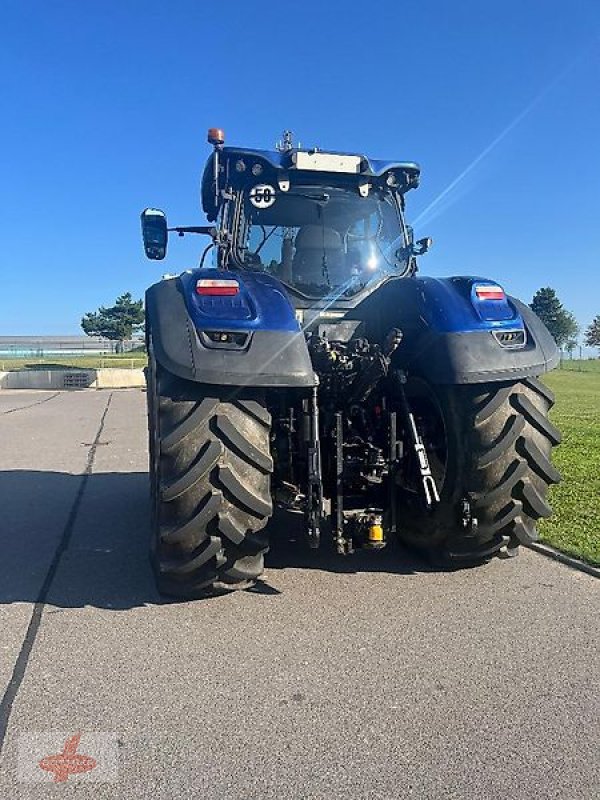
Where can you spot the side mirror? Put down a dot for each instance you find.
(421, 246)
(154, 233)
(417, 248)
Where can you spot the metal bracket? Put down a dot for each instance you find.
(467, 518)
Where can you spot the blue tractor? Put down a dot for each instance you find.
(305, 364)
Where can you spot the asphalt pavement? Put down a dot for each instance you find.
(371, 676)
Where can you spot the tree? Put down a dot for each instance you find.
(116, 322)
(592, 334)
(560, 322)
(571, 342)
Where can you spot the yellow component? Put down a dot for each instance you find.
(375, 533)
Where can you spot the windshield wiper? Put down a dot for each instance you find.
(266, 238)
(317, 198)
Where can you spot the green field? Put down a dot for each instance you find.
(575, 524)
(134, 360)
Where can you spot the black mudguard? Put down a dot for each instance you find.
(476, 356)
(430, 313)
(269, 358)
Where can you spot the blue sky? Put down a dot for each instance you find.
(105, 108)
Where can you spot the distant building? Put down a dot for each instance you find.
(29, 346)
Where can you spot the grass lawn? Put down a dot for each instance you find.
(123, 361)
(583, 365)
(575, 525)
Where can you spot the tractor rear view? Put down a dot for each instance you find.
(305, 364)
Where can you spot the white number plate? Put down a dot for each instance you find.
(327, 162)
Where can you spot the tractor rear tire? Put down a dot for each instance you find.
(210, 471)
(496, 456)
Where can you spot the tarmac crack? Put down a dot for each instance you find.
(20, 668)
(31, 405)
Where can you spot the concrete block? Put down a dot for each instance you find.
(114, 378)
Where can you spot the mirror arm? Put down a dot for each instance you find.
(205, 229)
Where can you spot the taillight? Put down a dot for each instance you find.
(214, 286)
(487, 292)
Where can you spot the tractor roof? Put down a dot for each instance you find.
(285, 160)
(249, 164)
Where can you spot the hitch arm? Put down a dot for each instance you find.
(428, 484)
(314, 498)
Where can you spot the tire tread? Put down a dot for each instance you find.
(500, 445)
(211, 467)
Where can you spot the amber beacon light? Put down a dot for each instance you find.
(216, 136)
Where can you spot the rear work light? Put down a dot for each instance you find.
(217, 287)
(488, 292)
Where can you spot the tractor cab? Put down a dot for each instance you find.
(327, 225)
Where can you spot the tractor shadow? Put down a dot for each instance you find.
(85, 539)
(73, 541)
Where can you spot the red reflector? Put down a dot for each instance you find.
(490, 293)
(209, 286)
